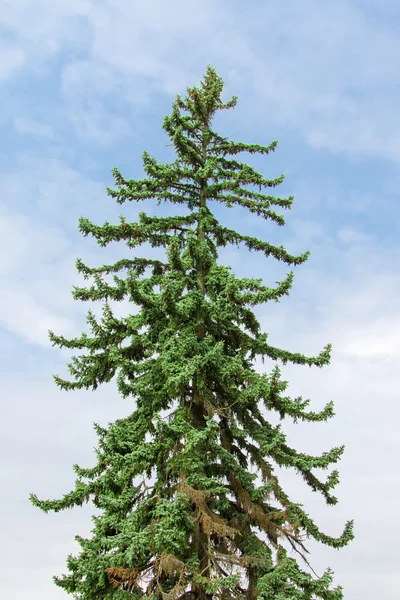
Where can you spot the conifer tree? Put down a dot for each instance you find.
(195, 533)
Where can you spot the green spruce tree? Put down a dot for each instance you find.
(193, 534)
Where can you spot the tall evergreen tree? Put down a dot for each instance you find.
(193, 534)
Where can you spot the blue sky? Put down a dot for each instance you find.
(85, 88)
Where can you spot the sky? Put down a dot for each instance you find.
(84, 87)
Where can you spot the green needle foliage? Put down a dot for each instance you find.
(193, 534)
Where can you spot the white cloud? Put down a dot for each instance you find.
(23, 315)
(378, 339)
(85, 87)
(62, 25)
(351, 236)
(328, 71)
(24, 243)
(22, 238)
(37, 257)
(33, 128)
(12, 60)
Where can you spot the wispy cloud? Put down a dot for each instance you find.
(12, 60)
(328, 71)
(87, 88)
(33, 128)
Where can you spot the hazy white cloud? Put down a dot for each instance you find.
(64, 23)
(27, 250)
(33, 128)
(24, 316)
(86, 87)
(12, 60)
(379, 339)
(37, 257)
(351, 236)
(328, 71)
